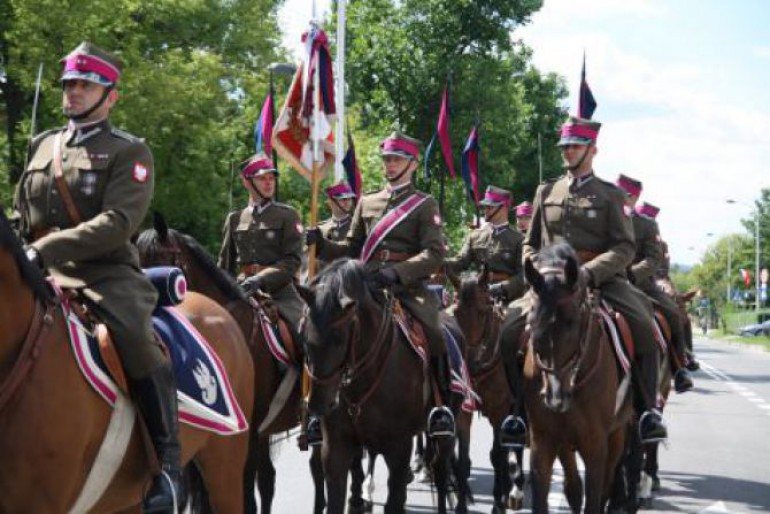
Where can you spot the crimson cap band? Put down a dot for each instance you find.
(340, 191)
(578, 131)
(258, 164)
(630, 185)
(91, 63)
(400, 144)
(523, 210)
(495, 196)
(649, 210)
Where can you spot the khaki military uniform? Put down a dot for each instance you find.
(648, 259)
(499, 250)
(110, 176)
(267, 244)
(414, 248)
(334, 230)
(588, 214)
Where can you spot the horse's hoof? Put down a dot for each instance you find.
(515, 503)
(645, 504)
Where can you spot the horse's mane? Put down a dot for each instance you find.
(467, 291)
(149, 242)
(343, 277)
(553, 287)
(31, 275)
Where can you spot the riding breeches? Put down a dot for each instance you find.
(289, 305)
(425, 308)
(124, 303)
(636, 308)
(671, 312)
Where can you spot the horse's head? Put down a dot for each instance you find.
(164, 246)
(555, 320)
(336, 300)
(474, 308)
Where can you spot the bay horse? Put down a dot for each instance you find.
(53, 422)
(163, 245)
(369, 385)
(570, 380)
(166, 246)
(480, 319)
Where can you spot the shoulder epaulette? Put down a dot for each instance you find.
(125, 135)
(46, 133)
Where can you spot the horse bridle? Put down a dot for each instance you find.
(573, 365)
(350, 366)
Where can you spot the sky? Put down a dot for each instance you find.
(683, 94)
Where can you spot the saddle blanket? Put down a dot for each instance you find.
(206, 400)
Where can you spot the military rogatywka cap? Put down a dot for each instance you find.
(630, 185)
(578, 131)
(401, 145)
(340, 191)
(496, 196)
(91, 63)
(649, 210)
(256, 165)
(524, 210)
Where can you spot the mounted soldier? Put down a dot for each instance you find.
(84, 193)
(588, 213)
(262, 242)
(641, 273)
(397, 233)
(523, 216)
(495, 247)
(341, 201)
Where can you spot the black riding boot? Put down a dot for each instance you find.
(513, 430)
(441, 421)
(156, 399)
(651, 427)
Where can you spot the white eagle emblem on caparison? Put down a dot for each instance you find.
(206, 381)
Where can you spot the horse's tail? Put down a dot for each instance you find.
(197, 498)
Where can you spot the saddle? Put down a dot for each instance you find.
(280, 338)
(205, 394)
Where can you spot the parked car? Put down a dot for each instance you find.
(756, 329)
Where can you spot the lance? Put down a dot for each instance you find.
(33, 123)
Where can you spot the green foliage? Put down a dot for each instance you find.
(400, 55)
(194, 79)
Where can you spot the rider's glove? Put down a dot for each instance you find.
(34, 257)
(498, 291)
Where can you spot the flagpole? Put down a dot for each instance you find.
(339, 142)
(540, 156)
(314, 182)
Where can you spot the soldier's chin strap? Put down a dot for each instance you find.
(346, 211)
(401, 173)
(262, 197)
(494, 213)
(580, 162)
(85, 114)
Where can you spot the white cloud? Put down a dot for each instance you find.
(762, 52)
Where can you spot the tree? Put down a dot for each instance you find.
(399, 56)
(195, 74)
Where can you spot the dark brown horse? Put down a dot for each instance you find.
(368, 384)
(480, 319)
(165, 246)
(52, 422)
(570, 381)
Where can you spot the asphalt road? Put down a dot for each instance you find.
(717, 460)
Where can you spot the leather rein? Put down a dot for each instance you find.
(353, 366)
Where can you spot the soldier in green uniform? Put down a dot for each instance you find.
(523, 216)
(588, 213)
(262, 243)
(495, 246)
(341, 201)
(641, 273)
(84, 193)
(397, 232)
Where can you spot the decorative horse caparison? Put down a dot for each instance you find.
(570, 383)
(368, 384)
(52, 422)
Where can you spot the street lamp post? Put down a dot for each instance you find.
(756, 253)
